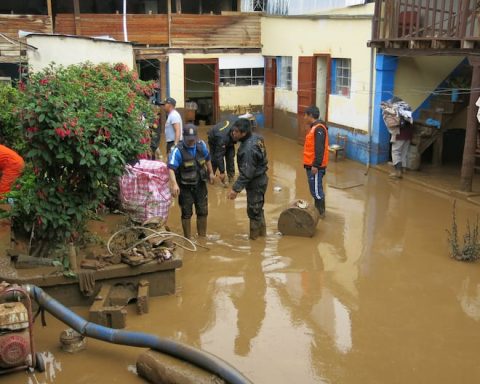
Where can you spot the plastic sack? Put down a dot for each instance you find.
(413, 158)
(144, 190)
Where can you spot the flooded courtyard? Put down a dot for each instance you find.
(373, 297)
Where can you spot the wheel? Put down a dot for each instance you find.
(39, 362)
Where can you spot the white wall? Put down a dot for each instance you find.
(306, 37)
(64, 50)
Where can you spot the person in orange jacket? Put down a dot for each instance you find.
(11, 167)
(315, 156)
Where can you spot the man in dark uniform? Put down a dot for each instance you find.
(222, 146)
(190, 168)
(253, 165)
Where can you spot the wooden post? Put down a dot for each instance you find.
(468, 164)
(169, 20)
(163, 85)
(76, 11)
(50, 14)
(179, 6)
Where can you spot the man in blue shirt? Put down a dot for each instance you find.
(190, 168)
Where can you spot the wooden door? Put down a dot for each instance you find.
(307, 80)
(269, 90)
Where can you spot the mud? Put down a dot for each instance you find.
(373, 297)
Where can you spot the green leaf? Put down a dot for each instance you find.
(41, 117)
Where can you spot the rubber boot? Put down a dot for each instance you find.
(262, 231)
(320, 205)
(397, 173)
(187, 230)
(254, 229)
(202, 226)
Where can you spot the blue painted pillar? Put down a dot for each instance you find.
(385, 67)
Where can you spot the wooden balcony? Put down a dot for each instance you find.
(422, 26)
(10, 49)
(186, 31)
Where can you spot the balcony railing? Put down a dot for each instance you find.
(185, 30)
(435, 20)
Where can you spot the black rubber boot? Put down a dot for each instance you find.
(255, 229)
(202, 226)
(320, 205)
(262, 231)
(186, 225)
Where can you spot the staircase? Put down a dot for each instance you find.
(433, 122)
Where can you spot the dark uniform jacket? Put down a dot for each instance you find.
(219, 139)
(251, 160)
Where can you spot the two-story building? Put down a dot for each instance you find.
(426, 51)
(203, 51)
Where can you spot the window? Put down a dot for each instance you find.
(254, 5)
(341, 76)
(241, 77)
(284, 72)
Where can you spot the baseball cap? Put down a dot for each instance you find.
(189, 131)
(169, 100)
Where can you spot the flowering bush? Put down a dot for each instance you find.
(82, 124)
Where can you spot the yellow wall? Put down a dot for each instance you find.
(306, 37)
(229, 97)
(417, 77)
(232, 97)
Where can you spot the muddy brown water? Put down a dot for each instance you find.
(372, 298)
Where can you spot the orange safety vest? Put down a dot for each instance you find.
(309, 147)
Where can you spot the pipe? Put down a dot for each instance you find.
(184, 352)
(370, 108)
(125, 35)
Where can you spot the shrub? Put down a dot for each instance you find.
(82, 124)
(10, 130)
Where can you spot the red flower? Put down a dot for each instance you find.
(39, 220)
(18, 186)
(21, 86)
(44, 81)
(110, 115)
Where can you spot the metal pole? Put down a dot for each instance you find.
(125, 34)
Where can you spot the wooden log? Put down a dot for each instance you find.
(156, 367)
(297, 221)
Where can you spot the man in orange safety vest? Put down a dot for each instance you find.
(315, 156)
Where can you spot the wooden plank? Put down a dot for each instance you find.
(450, 18)
(11, 24)
(76, 13)
(442, 16)
(472, 15)
(185, 30)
